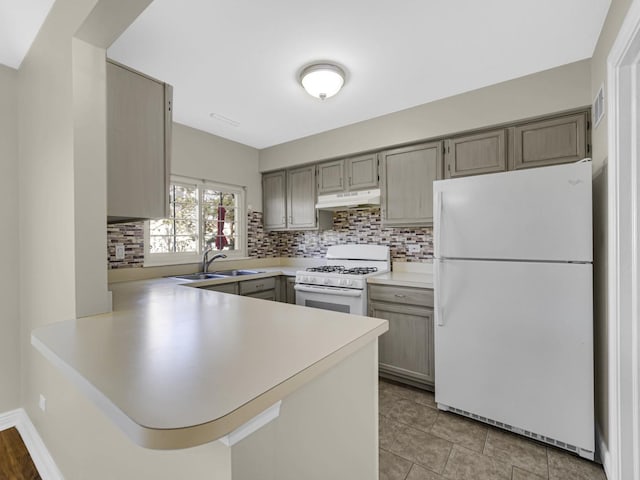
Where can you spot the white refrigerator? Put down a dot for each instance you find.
(513, 302)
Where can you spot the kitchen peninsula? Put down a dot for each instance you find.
(175, 367)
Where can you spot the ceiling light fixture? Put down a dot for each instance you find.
(322, 80)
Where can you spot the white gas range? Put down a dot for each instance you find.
(341, 284)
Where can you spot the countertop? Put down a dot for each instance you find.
(175, 366)
(406, 274)
(403, 279)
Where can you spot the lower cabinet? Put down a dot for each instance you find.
(264, 288)
(264, 295)
(290, 291)
(223, 288)
(406, 351)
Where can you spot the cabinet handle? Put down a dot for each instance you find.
(399, 295)
(260, 285)
(340, 181)
(349, 181)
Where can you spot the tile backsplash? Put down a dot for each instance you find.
(131, 235)
(361, 225)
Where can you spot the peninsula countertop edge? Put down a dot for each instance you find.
(175, 366)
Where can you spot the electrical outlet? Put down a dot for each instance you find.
(42, 403)
(119, 251)
(413, 248)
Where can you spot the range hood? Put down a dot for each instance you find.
(342, 201)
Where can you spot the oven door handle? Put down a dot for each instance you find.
(342, 292)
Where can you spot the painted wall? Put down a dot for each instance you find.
(554, 90)
(60, 87)
(599, 138)
(9, 320)
(201, 155)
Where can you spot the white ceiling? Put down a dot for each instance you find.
(234, 64)
(20, 21)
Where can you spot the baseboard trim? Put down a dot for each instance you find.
(604, 455)
(39, 454)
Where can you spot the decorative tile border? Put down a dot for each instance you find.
(361, 225)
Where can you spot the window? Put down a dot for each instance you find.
(203, 214)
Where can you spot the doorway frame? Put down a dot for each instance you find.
(623, 79)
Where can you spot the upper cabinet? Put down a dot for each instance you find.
(139, 123)
(407, 176)
(476, 154)
(289, 200)
(548, 142)
(349, 174)
(331, 177)
(274, 198)
(301, 197)
(362, 172)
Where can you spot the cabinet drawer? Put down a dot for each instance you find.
(265, 295)
(224, 288)
(422, 297)
(259, 285)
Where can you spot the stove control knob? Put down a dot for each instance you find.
(349, 282)
(327, 281)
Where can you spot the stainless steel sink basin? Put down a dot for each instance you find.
(200, 276)
(235, 273)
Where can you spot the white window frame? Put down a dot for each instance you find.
(181, 258)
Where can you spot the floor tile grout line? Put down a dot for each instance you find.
(444, 469)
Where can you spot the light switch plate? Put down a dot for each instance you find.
(119, 251)
(413, 248)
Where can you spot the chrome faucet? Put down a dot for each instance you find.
(207, 261)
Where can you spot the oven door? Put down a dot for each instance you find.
(346, 300)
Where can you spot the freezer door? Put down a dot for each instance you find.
(536, 214)
(514, 343)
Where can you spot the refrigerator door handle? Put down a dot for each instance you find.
(440, 211)
(438, 302)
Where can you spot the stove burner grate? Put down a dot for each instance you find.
(359, 270)
(342, 270)
(327, 269)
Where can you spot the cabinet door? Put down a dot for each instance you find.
(274, 200)
(406, 350)
(138, 145)
(223, 288)
(476, 154)
(331, 177)
(301, 198)
(362, 172)
(265, 295)
(548, 142)
(291, 292)
(407, 183)
(257, 285)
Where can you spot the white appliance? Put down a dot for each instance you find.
(513, 302)
(341, 284)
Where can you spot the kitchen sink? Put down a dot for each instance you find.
(200, 276)
(236, 273)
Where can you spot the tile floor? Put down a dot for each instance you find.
(418, 442)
